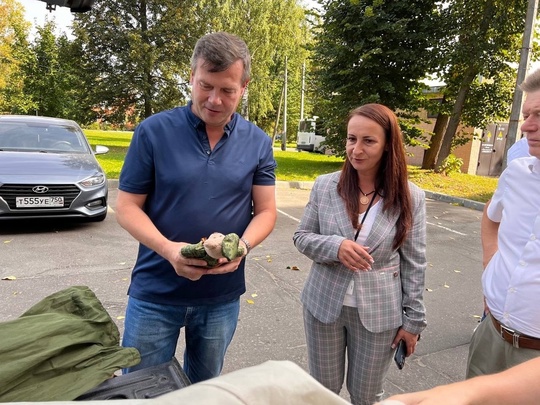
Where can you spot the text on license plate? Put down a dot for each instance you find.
(22, 202)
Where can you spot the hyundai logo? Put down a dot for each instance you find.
(40, 189)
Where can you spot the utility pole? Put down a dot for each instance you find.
(276, 126)
(525, 57)
(284, 136)
(302, 91)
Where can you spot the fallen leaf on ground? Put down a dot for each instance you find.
(250, 301)
(8, 241)
(253, 295)
(120, 317)
(10, 278)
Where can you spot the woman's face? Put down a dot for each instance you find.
(366, 143)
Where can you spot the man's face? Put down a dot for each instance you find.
(216, 95)
(531, 123)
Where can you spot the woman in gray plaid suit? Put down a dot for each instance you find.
(364, 227)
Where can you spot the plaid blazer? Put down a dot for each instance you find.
(388, 296)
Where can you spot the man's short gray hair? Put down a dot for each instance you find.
(531, 82)
(219, 50)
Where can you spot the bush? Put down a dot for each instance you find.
(451, 164)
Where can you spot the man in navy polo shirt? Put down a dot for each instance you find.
(189, 172)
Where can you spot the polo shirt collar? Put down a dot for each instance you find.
(196, 122)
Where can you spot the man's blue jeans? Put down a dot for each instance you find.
(154, 330)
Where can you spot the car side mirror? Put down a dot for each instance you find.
(101, 150)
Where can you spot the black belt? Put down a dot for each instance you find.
(514, 338)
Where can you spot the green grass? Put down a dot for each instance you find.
(476, 188)
(117, 142)
(304, 166)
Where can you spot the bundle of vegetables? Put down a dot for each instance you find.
(215, 247)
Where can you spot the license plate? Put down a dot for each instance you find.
(39, 202)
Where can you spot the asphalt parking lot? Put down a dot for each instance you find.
(37, 259)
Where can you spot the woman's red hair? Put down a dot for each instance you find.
(391, 179)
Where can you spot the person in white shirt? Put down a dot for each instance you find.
(510, 233)
(518, 149)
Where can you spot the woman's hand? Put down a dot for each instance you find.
(409, 338)
(354, 256)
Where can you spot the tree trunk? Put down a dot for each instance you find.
(430, 155)
(470, 73)
(455, 118)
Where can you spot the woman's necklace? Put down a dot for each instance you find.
(364, 200)
(365, 213)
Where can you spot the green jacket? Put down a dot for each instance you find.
(60, 348)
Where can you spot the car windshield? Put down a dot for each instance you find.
(18, 136)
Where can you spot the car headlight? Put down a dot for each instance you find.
(93, 181)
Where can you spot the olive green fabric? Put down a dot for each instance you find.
(60, 348)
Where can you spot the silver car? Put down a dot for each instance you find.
(48, 169)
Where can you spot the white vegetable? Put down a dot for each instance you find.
(212, 245)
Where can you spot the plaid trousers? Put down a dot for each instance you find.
(368, 355)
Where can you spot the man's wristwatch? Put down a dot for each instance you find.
(248, 245)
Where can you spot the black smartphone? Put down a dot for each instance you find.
(400, 354)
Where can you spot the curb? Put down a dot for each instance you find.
(475, 205)
(301, 185)
(308, 185)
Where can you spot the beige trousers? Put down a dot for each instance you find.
(489, 353)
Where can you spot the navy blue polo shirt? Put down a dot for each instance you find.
(193, 191)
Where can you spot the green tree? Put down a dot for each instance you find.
(44, 79)
(373, 51)
(135, 55)
(129, 59)
(14, 51)
(273, 30)
(483, 41)
(77, 80)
